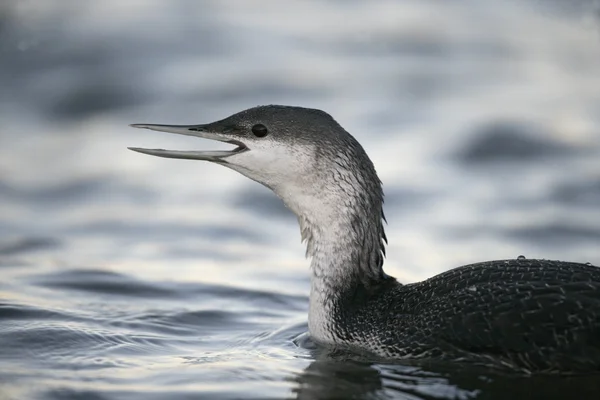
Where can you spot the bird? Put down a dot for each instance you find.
(525, 315)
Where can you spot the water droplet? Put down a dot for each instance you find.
(472, 289)
(521, 258)
(589, 264)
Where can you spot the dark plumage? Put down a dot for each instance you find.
(532, 315)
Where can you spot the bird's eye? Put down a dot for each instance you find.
(260, 130)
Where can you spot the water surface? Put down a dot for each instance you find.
(126, 276)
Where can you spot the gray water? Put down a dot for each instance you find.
(125, 276)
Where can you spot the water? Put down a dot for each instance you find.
(127, 276)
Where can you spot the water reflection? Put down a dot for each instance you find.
(333, 376)
(331, 379)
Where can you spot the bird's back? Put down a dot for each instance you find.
(534, 315)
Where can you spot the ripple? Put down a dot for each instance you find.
(183, 324)
(116, 286)
(75, 345)
(72, 394)
(507, 142)
(548, 233)
(578, 193)
(27, 245)
(270, 299)
(165, 230)
(76, 189)
(100, 281)
(10, 311)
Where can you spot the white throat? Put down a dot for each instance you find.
(343, 232)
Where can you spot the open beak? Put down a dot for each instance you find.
(202, 131)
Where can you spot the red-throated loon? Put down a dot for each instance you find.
(531, 315)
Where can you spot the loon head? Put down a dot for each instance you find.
(317, 168)
(302, 154)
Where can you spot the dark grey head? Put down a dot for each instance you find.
(319, 170)
(256, 128)
(276, 145)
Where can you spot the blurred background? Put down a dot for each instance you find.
(482, 119)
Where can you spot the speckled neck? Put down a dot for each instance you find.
(345, 238)
(345, 258)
